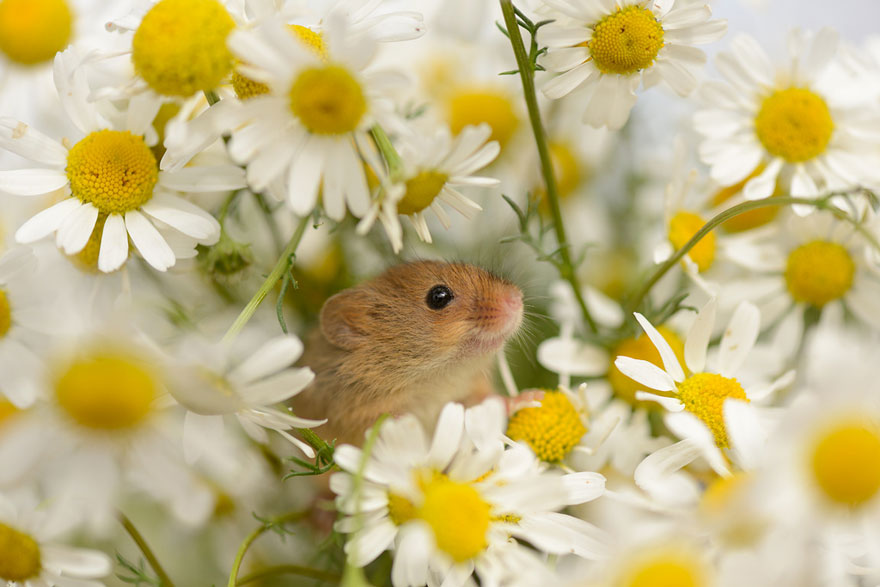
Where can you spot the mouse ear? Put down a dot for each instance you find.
(344, 319)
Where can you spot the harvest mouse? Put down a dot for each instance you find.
(408, 341)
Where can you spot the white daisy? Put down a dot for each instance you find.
(696, 403)
(210, 380)
(817, 262)
(300, 138)
(793, 123)
(33, 556)
(365, 16)
(434, 170)
(611, 46)
(458, 505)
(109, 179)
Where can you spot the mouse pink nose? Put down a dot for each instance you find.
(512, 303)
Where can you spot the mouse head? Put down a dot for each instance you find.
(425, 314)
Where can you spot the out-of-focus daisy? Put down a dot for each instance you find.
(816, 262)
(456, 506)
(109, 182)
(210, 380)
(612, 47)
(695, 403)
(32, 553)
(790, 123)
(319, 105)
(365, 16)
(434, 169)
(103, 414)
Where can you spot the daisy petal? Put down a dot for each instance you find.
(697, 340)
(670, 362)
(739, 337)
(273, 356)
(114, 244)
(658, 473)
(183, 216)
(646, 373)
(31, 144)
(148, 241)
(74, 232)
(47, 221)
(32, 182)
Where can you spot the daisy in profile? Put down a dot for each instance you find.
(435, 168)
(612, 47)
(795, 123)
(210, 380)
(110, 186)
(303, 133)
(457, 505)
(695, 402)
(33, 555)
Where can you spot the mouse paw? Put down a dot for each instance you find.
(530, 398)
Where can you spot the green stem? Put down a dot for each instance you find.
(212, 97)
(325, 576)
(145, 549)
(256, 533)
(281, 266)
(567, 270)
(636, 299)
(389, 153)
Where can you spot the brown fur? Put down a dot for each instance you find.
(381, 349)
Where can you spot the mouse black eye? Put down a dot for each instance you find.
(439, 297)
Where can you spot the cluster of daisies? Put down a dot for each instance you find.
(184, 182)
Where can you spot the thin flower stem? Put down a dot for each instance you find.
(325, 576)
(281, 266)
(636, 299)
(256, 533)
(164, 580)
(527, 75)
(389, 153)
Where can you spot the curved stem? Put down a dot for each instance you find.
(280, 267)
(566, 270)
(249, 539)
(146, 550)
(636, 299)
(318, 574)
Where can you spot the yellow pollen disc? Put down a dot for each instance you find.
(794, 124)
(400, 509)
(665, 568)
(328, 100)
(5, 314)
(703, 395)
(552, 429)
(458, 517)
(20, 558)
(421, 191)
(113, 170)
(626, 41)
(846, 461)
(473, 107)
(106, 392)
(685, 225)
(819, 272)
(640, 348)
(33, 31)
(246, 88)
(752, 218)
(7, 410)
(180, 46)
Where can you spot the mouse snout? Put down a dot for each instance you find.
(511, 303)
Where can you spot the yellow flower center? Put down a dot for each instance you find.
(819, 272)
(246, 88)
(626, 41)
(7, 410)
(473, 107)
(682, 227)
(846, 461)
(113, 170)
(665, 567)
(458, 517)
(33, 31)
(421, 191)
(328, 100)
(107, 391)
(640, 348)
(180, 46)
(752, 218)
(703, 395)
(794, 124)
(20, 560)
(552, 429)
(5, 314)
(400, 509)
